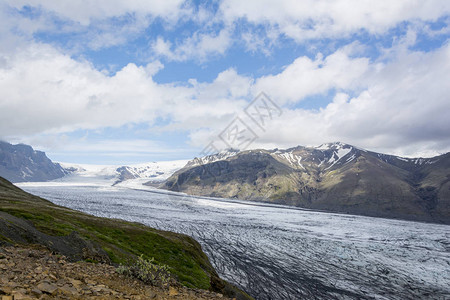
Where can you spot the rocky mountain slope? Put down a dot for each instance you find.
(20, 163)
(28, 220)
(36, 273)
(333, 177)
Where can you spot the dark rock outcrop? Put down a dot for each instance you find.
(20, 163)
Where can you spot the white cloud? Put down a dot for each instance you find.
(305, 77)
(199, 46)
(44, 91)
(85, 12)
(396, 102)
(401, 104)
(313, 19)
(404, 109)
(210, 106)
(163, 48)
(92, 24)
(106, 23)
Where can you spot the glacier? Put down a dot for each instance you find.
(279, 252)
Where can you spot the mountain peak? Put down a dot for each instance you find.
(333, 146)
(333, 176)
(22, 163)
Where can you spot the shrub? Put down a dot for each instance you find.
(147, 271)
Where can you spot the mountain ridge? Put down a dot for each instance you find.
(334, 177)
(20, 163)
(156, 172)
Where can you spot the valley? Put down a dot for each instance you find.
(280, 252)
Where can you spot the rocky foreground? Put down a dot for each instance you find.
(36, 273)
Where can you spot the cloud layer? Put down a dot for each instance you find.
(310, 19)
(393, 101)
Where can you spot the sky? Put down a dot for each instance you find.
(120, 82)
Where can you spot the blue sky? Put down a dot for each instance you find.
(112, 82)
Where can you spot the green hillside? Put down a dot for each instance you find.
(27, 219)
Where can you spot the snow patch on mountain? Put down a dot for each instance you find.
(331, 146)
(350, 158)
(403, 159)
(342, 152)
(156, 170)
(293, 159)
(222, 155)
(337, 155)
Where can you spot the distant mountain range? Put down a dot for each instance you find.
(152, 173)
(333, 177)
(19, 163)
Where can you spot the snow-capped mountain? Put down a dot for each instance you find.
(155, 172)
(222, 155)
(21, 163)
(333, 176)
(325, 156)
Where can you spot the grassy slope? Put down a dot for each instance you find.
(120, 239)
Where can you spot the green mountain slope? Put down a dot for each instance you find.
(27, 219)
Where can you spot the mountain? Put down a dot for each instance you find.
(20, 163)
(124, 175)
(334, 177)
